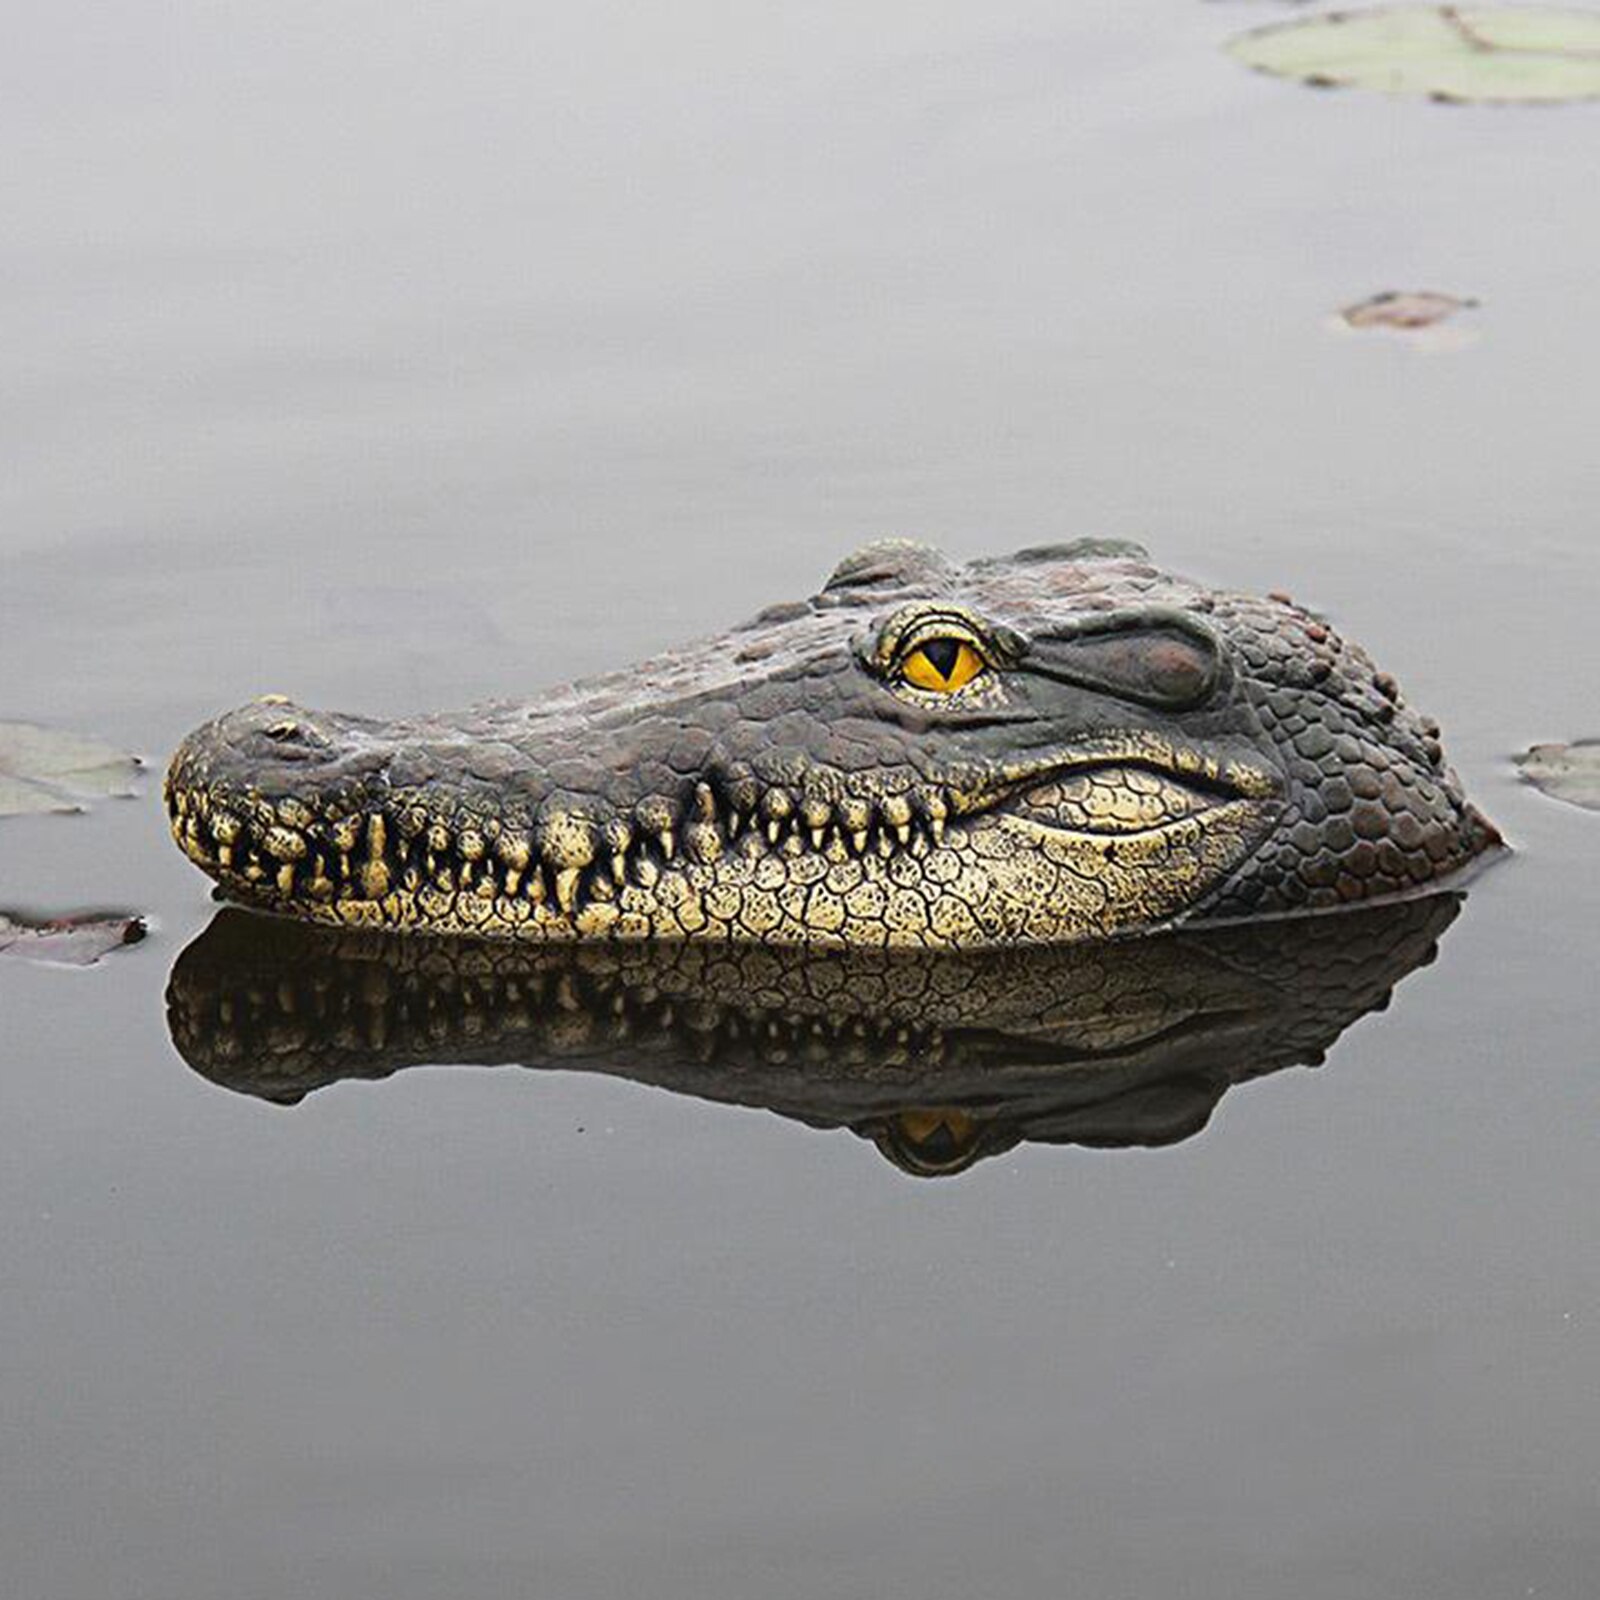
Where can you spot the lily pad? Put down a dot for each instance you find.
(1569, 772)
(1492, 54)
(44, 769)
(75, 941)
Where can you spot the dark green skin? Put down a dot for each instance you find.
(938, 1062)
(782, 783)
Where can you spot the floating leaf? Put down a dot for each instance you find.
(43, 769)
(1569, 772)
(1493, 53)
(75, 941)
(1421, 318)
(1418, 308)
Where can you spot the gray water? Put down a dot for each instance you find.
(391, 357)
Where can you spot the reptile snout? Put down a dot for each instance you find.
(269, 743)
(274, 731)
(253, 792)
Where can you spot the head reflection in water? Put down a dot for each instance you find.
(940, 1062)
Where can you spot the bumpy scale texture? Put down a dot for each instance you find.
(1061, 744)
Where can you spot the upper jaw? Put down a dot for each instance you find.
(302, 811)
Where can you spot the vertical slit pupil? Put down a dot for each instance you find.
(943, 653)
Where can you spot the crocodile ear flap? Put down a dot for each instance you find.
(1162, 658)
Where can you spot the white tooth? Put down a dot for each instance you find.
(567, 888)
(619, 840)
(655, 815)
(514, 852)
(778, 809)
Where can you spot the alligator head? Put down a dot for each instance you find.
(1060, 744)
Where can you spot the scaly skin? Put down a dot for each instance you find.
(1057, 745)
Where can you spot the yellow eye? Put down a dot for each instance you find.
(942, 665)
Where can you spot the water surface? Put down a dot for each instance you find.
(391, 359)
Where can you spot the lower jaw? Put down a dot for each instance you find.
(997, 880)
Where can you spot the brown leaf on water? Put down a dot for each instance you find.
(1569, 772)
(1406, 310)
(71, 941)
(45, 769)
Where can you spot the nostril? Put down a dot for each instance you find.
(280, 737)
